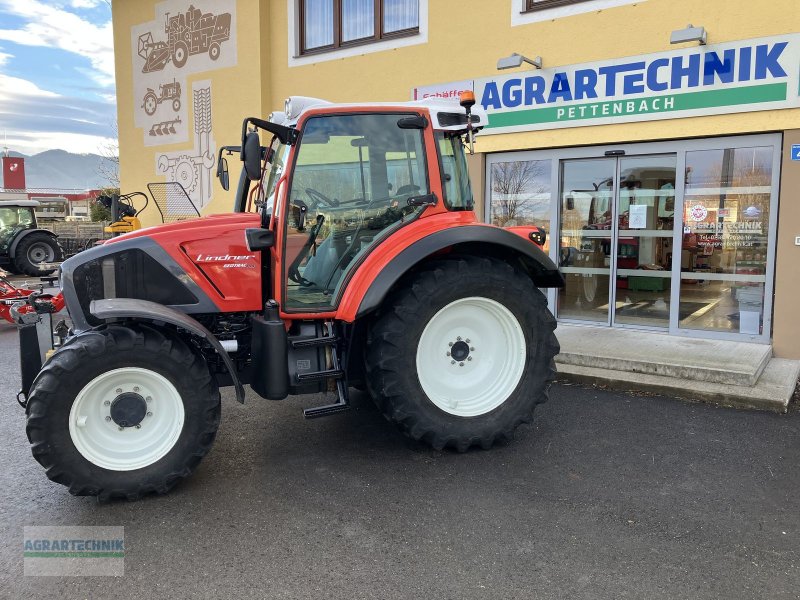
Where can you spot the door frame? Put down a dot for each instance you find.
(679, 147)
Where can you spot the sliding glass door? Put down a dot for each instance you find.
(675, 236)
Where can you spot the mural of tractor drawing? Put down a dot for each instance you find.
(166, 92)
(193, 169)
(188, 34)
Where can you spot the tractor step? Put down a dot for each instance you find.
(324, 411)
(342, 402)
(317, 375)
(320, 341)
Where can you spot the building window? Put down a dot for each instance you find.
(331, 24)
(531, 5)
(520, 194)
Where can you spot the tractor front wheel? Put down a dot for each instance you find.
(122, 412)
(463, 353)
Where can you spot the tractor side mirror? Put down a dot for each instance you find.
(222, 172)
(251, 155)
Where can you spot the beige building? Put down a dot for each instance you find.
(664, 173)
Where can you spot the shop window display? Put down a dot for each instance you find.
(725, 239)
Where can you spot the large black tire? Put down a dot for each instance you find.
(393, 341)
(84, 360)
(36, 248)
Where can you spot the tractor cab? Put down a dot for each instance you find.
(14, 218)
(338, 180)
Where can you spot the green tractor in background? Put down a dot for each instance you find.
(24, 248)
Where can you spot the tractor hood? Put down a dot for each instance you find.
(251, 219)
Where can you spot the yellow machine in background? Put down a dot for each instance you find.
(124, 216)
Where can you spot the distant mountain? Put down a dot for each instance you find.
(62, 169)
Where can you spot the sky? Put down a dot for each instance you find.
(57, 76)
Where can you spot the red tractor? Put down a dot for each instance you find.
(363, 265)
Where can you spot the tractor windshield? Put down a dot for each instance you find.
(351, 183)
(276, 163)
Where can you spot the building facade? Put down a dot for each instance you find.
(665, 174)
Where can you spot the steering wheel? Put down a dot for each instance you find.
(319, 197)
(407, 190)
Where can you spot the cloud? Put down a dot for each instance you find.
(4, 58)
(34, 119)
(14, 89)
(84, 3)
(54, 27)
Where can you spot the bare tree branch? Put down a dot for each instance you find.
(512, 184)
(108, 168)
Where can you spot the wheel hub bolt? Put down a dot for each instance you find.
(472, 348)
(461, 364)
(458, 339)
(107, 403)
(119, 390)
(469, 358)
(450, 343)
(452, 362)
(122, 429)
(149, 414)
(138, 426)
(149, 399)
(467, 340)
(108, 418)
(448, 354)
(136, 388)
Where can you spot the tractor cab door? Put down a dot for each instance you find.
(350, 188)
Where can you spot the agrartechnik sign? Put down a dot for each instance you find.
(743, 76)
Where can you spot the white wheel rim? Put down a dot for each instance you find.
(488, 374)
(40, 253)
(99, 438)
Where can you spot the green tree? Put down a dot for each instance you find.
(98, 212)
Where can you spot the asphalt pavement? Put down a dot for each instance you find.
(606, 495)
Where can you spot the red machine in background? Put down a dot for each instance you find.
(12, 299)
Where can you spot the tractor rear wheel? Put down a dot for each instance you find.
(122, 412)
(37, 248)
(463, 353)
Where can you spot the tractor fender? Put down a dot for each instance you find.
(13, 248)
(479, 240)
(144, 310)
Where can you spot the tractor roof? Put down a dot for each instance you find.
(12, 203)
(446, 114)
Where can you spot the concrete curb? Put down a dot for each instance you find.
(772, 391)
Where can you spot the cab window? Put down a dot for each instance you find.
(455, 177)
(352, 180)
